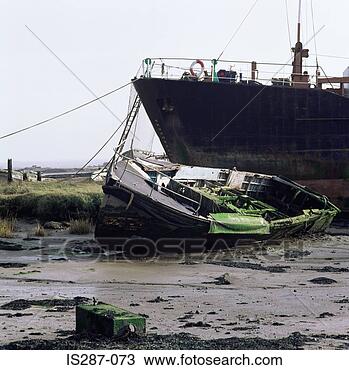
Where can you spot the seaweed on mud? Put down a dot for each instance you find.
(181, 341)
(342, 301)
(225, 279)
(323, 281)
(294, 253)
(10, 246)
(329, 269)
(251, 266)
(23, 304)
(10, 265)
(242, 328)
(158, 300)
(323, 315)
(199, 324)
(17, 314)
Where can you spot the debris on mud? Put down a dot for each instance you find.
(87, 246)
(230, 323)
(323, 281)
(158, 300)
(65, 333)
(242, 328)
(23, 304)
(199, 324)
(17, 314)
(296, 253)
(176, 296)
(54, 225)
(60, 309)
(325, 314)
(225, 279)
(9, 246)
(59, 259)
(18, 304)
(189, 262)
(10, 265)
(26, 272)
(329, 269)
(344, 300)
(181, 341)
(251, 266)
(332, 336)
(186, 317)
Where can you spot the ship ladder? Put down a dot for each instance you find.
(131, 117)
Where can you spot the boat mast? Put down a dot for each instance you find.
(299, 79)
(299, 21)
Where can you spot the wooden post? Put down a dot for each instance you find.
(38, 176)
(9, 170)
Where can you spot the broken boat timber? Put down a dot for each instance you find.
(248, 206)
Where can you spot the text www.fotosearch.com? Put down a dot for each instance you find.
(194, 360)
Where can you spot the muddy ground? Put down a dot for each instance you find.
(287, 295)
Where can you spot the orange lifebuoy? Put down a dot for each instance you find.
(201, 63)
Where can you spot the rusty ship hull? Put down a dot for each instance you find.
(299, 133)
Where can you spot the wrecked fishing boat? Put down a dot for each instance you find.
(247, 206)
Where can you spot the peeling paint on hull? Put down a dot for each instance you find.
(302, 134)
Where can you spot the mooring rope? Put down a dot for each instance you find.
(67, 112)
(238, 29)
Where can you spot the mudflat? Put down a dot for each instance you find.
(292, 294)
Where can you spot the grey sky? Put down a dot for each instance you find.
(104, 41)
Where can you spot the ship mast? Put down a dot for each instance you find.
(299, 21)
(299, 79)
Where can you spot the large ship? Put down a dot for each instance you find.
(290, 119)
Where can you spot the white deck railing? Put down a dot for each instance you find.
(236, 71)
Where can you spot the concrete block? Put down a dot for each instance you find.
(108, 320)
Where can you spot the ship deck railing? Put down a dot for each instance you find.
(265, 73)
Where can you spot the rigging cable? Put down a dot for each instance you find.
(238, 29)
(152, 141)
(120, 145)
(260, 92)
(93, 177)
(98, 151)
(306, 20)
(72, 73)
(306, 30)
(326, 76)
(332, 56)
(288, 26)
(315, 44)
(67, 112)
(91, 159)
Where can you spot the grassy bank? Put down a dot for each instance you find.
(46, 201)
